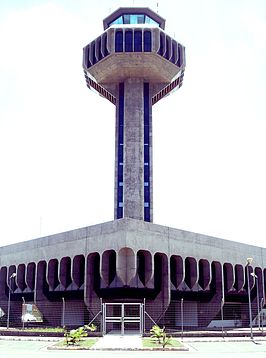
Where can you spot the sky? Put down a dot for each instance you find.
(57, 137)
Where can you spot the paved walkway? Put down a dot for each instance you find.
(134, 341)
(114, 341)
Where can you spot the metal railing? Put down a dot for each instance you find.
(180, 317)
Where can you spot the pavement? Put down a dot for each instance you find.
(117, 342)
(115, 345)
(30, 349)
(132, 342)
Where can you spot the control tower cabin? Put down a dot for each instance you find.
(133, 64)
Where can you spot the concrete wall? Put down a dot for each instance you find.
(137, 235)
(157, 262)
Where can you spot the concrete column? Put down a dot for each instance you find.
(133, 169)
(133, 149)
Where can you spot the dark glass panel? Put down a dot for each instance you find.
(146, 153)
(117, 21)
(120, 153)
(129, 41)
(148, 20)
(140, 19)
(93, 54)
(146, 134)
(119, 213)
(180, 56)
(126, 19)
(99, 52)
(119, 41)
(146, 150)
(147, 194)
(147, 216)
(120, 194)
(137, 41)
(146, 171)
(147, 41)
(105, 50)
(121, 131)
(167, 51)
(87, 57)
(162, 41)
(174, 52)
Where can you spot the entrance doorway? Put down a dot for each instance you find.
(123, 318)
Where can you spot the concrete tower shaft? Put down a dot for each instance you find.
(133, 64)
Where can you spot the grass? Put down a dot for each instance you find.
(84, 344)
(87, 343)
(152, 343)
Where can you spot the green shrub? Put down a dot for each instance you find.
(75, 335)
(90, 327)
(160, 335)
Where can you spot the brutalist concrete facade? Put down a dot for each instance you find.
(132, 259)
(133, 64)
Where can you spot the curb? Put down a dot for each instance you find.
(183, 349)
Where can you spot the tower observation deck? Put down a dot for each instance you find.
(134, 64)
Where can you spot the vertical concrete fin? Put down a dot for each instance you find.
(126, 265)
(91, 299)
(156, 308)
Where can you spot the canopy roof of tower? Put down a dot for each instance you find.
(140, 15)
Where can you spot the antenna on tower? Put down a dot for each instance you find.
(157, 6)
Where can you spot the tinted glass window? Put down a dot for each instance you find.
(126, 19)
(137, 41)
(180, 56)
(140, 19)
(148, 20)
(134, 19)
(166, 55)
(93, 54)
(118, 21)
(129, 41)
(174, 52)
(119, 41)
(119, 213)
(99, 52)
(162, 40)
(87, 57)
(147, 41)
(105, 45)
(146, 152)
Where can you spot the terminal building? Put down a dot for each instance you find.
(129, 273)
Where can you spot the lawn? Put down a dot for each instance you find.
(82, 344)
(152, 343)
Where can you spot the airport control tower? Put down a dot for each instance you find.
(134, 64)
(127, 274)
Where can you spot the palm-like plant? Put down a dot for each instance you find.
(160, 335)
(75, 335)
